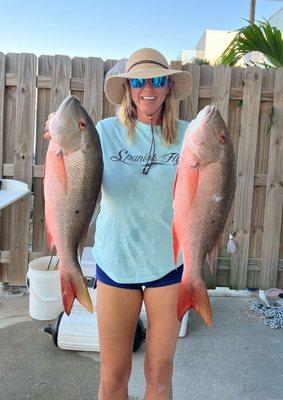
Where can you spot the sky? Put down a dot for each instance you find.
(114, 29)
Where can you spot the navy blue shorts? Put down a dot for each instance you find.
(173, 277)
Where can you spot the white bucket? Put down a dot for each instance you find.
(45, 298)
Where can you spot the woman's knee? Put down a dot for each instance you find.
(158, 373)
(113, 379)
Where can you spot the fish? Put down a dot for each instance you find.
(73, 172)
(203, 192)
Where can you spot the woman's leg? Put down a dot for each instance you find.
(118, 311)
(162, 334)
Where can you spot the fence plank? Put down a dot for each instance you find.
(93, 101)
(177, 65)
(274, 192)
(233, 123)
(261, 164)
(206, 79)
(109, 109)
(43, 109)
(93, 93)
(78, 71)
(245, 175)
(221, 89)
(60, 80)
(23, 161)
(189, 106)
(9, 129)
(2, 91)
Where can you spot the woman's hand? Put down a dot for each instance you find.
(46, 129)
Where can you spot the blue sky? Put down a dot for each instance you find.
(114, 29)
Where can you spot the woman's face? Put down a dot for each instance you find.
(149, 101)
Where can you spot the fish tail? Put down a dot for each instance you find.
(193, 294)
(73, 286)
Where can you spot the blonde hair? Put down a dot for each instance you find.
(127, 115)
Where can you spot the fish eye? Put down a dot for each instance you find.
(222, 139)
(82, 125)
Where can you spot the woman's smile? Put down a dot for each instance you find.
(149, 101)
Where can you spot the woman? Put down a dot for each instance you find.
(133, 240)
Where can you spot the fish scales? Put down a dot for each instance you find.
(203, 193)
(72, 181)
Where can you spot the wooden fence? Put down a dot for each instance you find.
(251, 102)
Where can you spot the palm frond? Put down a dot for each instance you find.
(260, 37)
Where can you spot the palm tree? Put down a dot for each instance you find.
(260, 37)
(252, 11)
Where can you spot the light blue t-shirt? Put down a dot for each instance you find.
(133, 239)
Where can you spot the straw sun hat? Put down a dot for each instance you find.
(147, 63)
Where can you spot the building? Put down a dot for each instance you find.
(213, 42)
(277, 19)
(210, 46)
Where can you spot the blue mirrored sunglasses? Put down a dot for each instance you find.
(157, 82)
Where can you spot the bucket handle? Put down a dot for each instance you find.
(37, 295)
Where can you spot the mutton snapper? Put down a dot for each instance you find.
(72, 180)
(203, 192)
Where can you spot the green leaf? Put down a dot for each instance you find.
(260, 37)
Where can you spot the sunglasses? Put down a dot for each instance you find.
(157, 82)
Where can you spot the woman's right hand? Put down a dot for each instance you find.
(46, 128)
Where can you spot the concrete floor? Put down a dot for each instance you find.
(238, 358)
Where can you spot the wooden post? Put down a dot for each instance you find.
(261, 166)
(9, 129)
(177, 65)
(189, 106)
(274, 192)
(252, 11)
(2, 91)
(23, 163)
(43, 110)
(109, 109)
(93, 101)
(221, 89)
(245, 176)
(93, 88)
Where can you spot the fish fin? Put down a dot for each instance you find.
(55, 158)
(73, 286)
(176, 244)
(193, 178)
(212, 254)
(81, 244)
(49, 239)
(193, 294)
(81, 249)
(60, 167)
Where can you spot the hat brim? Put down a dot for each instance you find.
(115, 85)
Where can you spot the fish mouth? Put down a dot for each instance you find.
(67, 102)
(209, 112)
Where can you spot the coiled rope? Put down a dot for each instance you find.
(273, 314)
